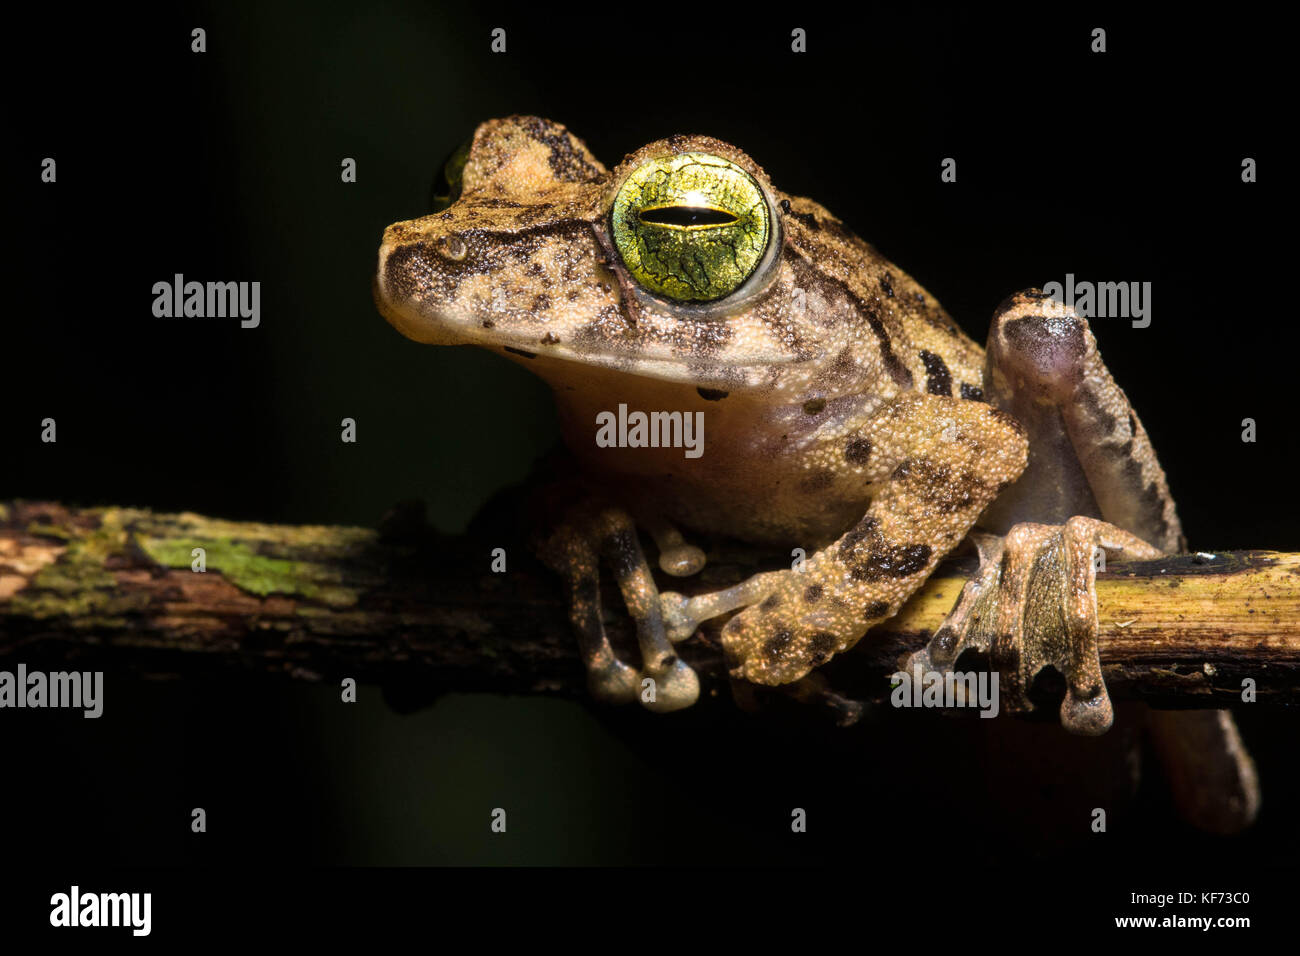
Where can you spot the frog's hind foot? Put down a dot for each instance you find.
(1031, 605)
(574, 549)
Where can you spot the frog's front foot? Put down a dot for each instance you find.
(1033, 604)
(574, 550)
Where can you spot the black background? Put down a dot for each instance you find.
(225, 165)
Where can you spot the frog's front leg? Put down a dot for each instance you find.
(1032, 604)
(934, 464)
(1089, 456)
(574, 549)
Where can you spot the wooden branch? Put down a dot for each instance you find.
(114, 588)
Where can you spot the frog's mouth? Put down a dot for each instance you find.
(556, 360)
(708, 352)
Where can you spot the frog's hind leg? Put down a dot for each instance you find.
(574, 550)
(674, 685)
(570, 553)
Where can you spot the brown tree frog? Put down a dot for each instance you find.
(843, 412)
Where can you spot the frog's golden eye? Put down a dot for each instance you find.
(691, 227)
(447, 184)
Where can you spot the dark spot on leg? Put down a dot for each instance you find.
(1008, 420)
(1105, 420)
(857, 451)
(911, 558)
(712, 394)
(773, 601)
(863, 529)
(957, 494)
(621, 550)
(903, 470)
(777, 643)
(887, 285)
(874, 610)
(938, 378)
(814, 405)
(550, 338)
(972, 392)
(821, 646)
(892, 562)
(813, 593)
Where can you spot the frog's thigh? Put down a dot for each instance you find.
(945, 459)
(1088, 452)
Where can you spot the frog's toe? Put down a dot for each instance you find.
(682, 560)
(679, 624)
(674, 686)
(676, 556)
(613, 682)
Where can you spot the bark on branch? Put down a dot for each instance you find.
(114, 589)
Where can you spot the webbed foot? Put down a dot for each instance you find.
(1033, 604)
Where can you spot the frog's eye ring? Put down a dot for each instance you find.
(691, 227)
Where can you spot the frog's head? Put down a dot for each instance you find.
(677, 265)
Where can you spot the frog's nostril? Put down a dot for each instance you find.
(453, 248)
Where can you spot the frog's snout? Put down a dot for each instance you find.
(402, 273)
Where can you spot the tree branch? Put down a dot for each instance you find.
(113, 588)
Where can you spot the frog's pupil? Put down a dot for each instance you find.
(683, 216)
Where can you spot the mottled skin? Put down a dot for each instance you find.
(845, 414)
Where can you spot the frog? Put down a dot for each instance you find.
(842, 414)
